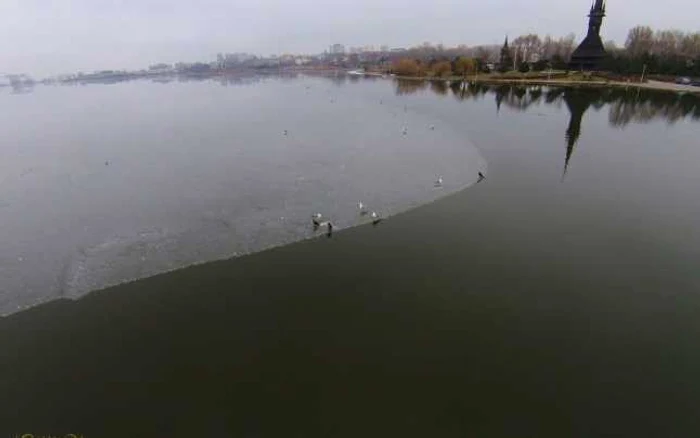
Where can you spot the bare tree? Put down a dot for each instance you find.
(640, 40)
(667, 42)
(548, 48)
(690, 45)
(487, 53)
(527, 45)
(567, 45)
(610, 46)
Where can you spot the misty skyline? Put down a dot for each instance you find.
(44, 37)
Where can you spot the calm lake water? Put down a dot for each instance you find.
(558, 297)
(105, 184)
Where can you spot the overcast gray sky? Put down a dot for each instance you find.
(43, 37)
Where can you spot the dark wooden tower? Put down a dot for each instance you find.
(590, 54)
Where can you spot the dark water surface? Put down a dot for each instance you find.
(558, 297)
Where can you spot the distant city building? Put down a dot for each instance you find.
(228, 60)
(590, 53)
(160, 68)
(18, 81)
(337, 49)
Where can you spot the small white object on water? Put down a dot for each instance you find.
(362, 207)
(438, 182)
(376, 218)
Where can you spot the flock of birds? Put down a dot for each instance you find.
(317, 219)
(318, 222)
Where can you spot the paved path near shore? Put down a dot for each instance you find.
(658, 85)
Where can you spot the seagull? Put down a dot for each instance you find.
(375, 218)
(438, 182)
(327, 224)
(481, 176)
(362, 207)
(316, 219)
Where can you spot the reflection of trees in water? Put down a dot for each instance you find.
(553, 95)
(163, 80)
(439, 87)
(471, 90)
(641, 106)
(371, 78)
(287, 76)
(442, 88)
(626, 105)
(456, 88)
(338, 79)
(535, 94)
(408, 86)
(22, 89)
(517, 97)
(20, 84)
(237, 80)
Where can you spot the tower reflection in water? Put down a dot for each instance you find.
(625, 105)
